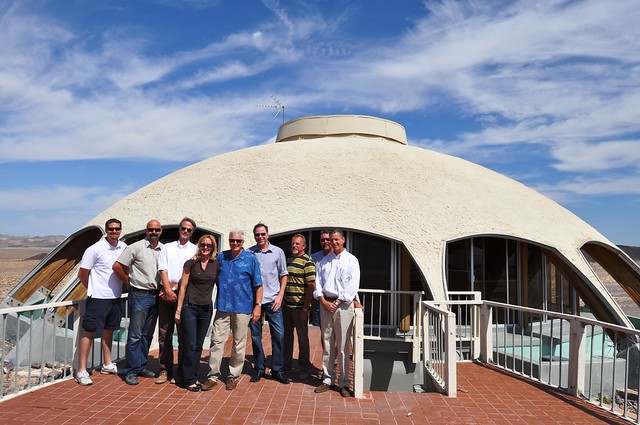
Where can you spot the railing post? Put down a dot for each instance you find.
(358, 353)
(577, 341)
(77, 333)
(486, 337)
(451, 358)
(417, 323)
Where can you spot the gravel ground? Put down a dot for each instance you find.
(14, 265)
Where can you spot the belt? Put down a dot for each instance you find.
(146, 291)
(330, 299)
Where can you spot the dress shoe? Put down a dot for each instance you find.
(322, 388)
(304, 374)
(257, 376)
(162, 379)
(146, 373)
(194, 388)
(131, 379)
(279, 376)
(209, 383)
(232, 383)
(344, 392)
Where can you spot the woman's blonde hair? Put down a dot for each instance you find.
(214, 250)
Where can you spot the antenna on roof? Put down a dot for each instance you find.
(279, 106)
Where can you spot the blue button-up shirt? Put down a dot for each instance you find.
(237, 281)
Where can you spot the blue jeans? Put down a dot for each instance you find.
(276, 326)
(143, 312)
(195, 320)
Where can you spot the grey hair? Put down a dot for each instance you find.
(236, 231)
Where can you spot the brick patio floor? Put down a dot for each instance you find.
(486, 395)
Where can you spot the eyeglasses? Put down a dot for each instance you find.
(150, 230)
(206, 245)
(259, 234)
(114, 229)
(236, 240)
(325, 239)
(186, 229)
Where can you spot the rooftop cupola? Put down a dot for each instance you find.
(341, 125)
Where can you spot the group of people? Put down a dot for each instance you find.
(173, 284)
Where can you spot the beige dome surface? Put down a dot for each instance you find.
(368, 179)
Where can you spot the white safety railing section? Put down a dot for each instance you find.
(595, 360)
(439, 347)
(465, 305)
(39, 343)
(393, 316)
(358, 353)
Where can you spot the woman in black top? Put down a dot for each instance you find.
(195, 306)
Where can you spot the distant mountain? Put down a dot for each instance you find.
(631, 251)
(51, 241)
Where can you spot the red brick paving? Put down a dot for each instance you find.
(488, 396)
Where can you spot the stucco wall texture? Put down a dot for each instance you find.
(364, 181)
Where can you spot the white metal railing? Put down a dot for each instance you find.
(392, 316)
(40, 342)
(439, 348)
(358, 353)
(595, 360)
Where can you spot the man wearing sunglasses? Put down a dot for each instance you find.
(170, 266)
(237, 304)
(273, 268)
(325, 243)
(137, 266)
(102, 314)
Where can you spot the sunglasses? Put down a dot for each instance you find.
(259, 234)
(186, 229)
(325, 239)
(236, 240)
(206, 245)
(151, 230)
(114, 229)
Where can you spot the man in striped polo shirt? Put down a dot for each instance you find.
(297, 301)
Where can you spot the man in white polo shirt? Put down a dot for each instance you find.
(104, 288)
(170, 265)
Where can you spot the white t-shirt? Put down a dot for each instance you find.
(99, 259)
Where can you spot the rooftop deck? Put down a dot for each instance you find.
(487, 395)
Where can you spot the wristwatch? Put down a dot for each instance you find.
(258, 304)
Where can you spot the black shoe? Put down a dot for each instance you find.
(146, 373)
(194, 388)
(259, 375)
(279, 376)
(131, 379)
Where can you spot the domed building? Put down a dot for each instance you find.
(417, 220)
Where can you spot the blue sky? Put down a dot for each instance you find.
(99, 98)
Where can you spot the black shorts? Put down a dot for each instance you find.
(101, 314)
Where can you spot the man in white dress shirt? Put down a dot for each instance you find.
(170, 265)
(337, 284)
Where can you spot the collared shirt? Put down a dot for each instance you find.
(273, 265)
(172, 259)
(237, 281)
(99, 259)
(317, 256)
(338, 276)
(142, 260)
(302, 273)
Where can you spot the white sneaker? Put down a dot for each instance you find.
(82, 378)
(111, 369)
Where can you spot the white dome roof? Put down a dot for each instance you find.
(358, 173)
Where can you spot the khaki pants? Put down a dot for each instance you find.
(224, 322)
(336, 333)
